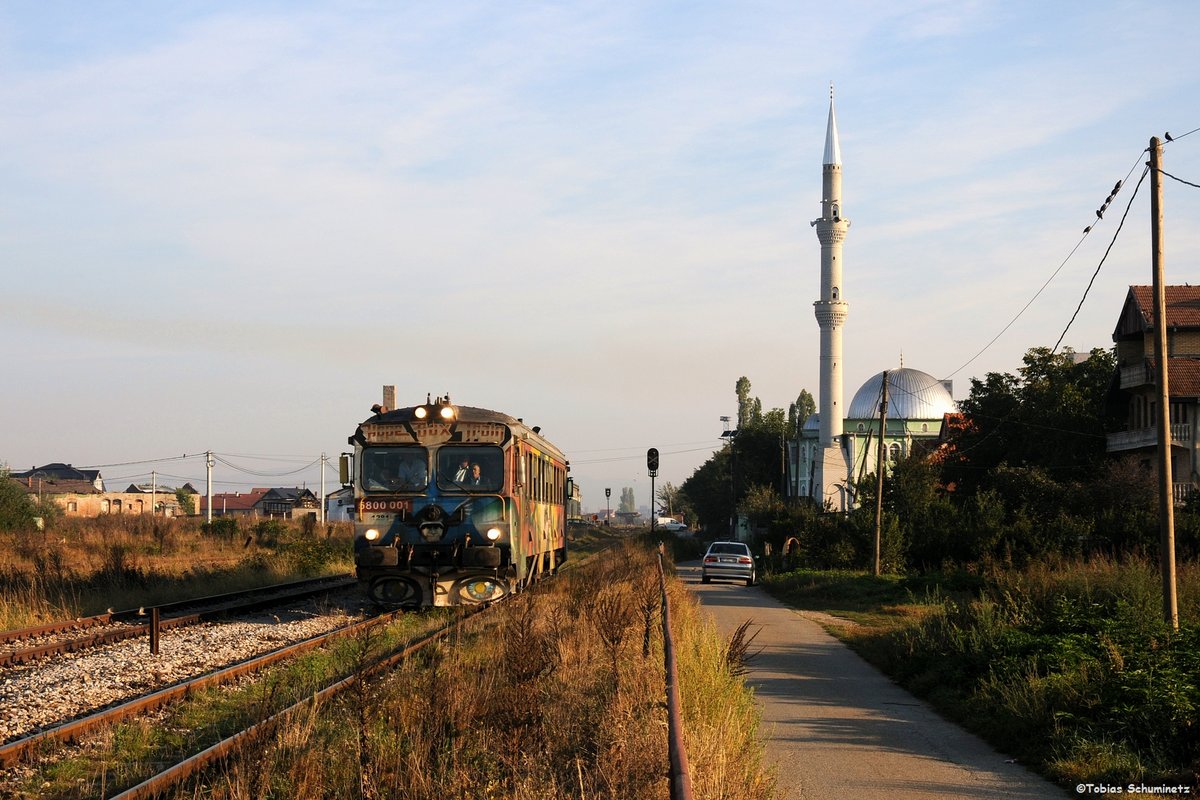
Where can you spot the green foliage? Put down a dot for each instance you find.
(799, 412)
(1061, 665)
(224, 528)
(18, 509)
(1052, 415)
(186, 501)
(628, 500)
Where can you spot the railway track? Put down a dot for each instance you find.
(73, 730)
(29, 644)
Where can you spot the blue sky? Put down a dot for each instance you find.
(225, 225)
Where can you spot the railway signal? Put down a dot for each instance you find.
(652, 467)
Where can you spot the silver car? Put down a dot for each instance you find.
(728, 560)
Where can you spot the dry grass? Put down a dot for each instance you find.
(549, 698)
(85, 566)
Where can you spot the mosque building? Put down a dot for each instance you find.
(838, 446)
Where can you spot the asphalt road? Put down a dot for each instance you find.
(835, 727)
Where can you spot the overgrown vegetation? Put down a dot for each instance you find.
(1068, 666)
(557, 693)
(81, 566)
(554, 699)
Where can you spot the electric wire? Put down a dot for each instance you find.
(1181, 180)
(1087, 232)
(1117, 233)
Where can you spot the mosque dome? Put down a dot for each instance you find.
(912, 394)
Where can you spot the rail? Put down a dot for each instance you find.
(176, 774)
(680, 777)
(246, 600)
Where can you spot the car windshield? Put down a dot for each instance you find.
(729, 547)
(470, 469)
(395, 469)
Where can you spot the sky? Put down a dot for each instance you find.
(226, 225)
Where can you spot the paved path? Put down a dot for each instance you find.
(835, 727)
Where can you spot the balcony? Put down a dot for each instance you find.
(1137, 375)
(1182, 492)
(1181, 434)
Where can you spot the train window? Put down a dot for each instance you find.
(470, 468)
(395, 469)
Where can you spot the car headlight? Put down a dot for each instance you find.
(371, 535)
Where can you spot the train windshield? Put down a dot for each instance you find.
(470, 469)
(395, 469)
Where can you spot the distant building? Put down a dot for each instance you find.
(62, 475)
(339, 505)
(279, 503)
(1135, 389)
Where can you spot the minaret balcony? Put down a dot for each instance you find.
(831, 314)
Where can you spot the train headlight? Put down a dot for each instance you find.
(421, 412)
(371, 535)
(447, 412)
(493, 534)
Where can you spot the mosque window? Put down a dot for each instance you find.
(924, 427)
(861, 428)
(894, 452)
(835, 293)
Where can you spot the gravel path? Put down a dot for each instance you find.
(58, 689)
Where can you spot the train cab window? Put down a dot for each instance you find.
(470, 469)
(395, 469)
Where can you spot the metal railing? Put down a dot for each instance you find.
(680, 776)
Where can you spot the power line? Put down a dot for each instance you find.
(1181, 180)
(260, 473)
(1102, 260)
(143, 461)
(1086, 232)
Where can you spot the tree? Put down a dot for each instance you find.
(799, 412)
(744, 401)
(671, 500)
(18, 508)
(1051, 415)
(628, 500)
(186, 500)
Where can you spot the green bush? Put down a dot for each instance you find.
(18, 509)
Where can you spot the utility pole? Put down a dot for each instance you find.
(208, 464)
(1166, 495)
(153, 490)
(880, 455)
(323, 460)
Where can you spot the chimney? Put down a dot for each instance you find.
(389, 397)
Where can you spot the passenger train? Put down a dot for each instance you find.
(454, 505)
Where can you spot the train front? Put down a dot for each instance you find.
(433, 508)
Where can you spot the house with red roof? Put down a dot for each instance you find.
(1137, 383)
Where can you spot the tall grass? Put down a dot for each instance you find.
(551, 697)
(1068, 665)
(88, 565)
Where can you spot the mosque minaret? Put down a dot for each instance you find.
(831, 311)
(838, 447)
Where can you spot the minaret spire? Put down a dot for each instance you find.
(833, 149)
